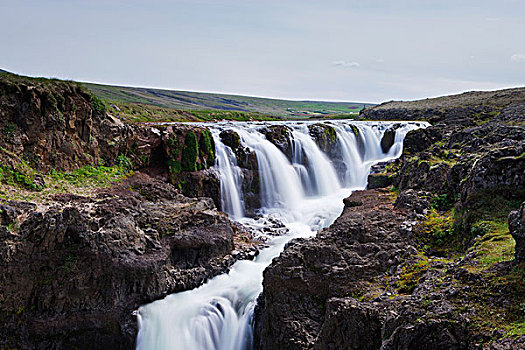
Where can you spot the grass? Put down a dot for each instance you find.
(19, 175)
(495, 245)
(486, 312)
(141, 112)
(83, 181)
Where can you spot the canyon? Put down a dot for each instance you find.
(430, 255)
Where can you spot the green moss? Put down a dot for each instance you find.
(437, 234)
(190, 152)
(19, 175)
(495, 245)
(207, 148)
(98, 176)
(355, 130)
(411, 275)
(442, 202)
(331, 134)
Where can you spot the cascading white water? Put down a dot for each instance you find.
(322, 176)
(230, 177)
(304, 193)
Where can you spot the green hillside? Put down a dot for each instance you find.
(197, 101)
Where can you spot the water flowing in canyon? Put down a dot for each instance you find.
(303, 189)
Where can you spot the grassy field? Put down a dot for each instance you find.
(197, 101)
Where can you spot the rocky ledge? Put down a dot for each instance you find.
(72, 273)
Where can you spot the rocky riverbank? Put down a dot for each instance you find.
(98, 217)
(427, 263)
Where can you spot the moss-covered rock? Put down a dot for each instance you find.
(326, 138)
(190, 152)
(281, 136)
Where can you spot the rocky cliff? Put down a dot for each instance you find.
(94, 220)
(430, 262)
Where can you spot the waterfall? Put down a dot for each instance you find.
(304, 192)
(230, 177)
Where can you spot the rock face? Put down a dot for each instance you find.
(72, 274)
(74, 268)
(517, 230)
(55, 125)
(363, 284)
(300, 308)
(388, 140)
(281, 137)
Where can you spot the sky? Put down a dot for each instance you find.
(353, 50)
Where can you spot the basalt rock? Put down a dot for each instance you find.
(72, 274)
(388, 140)
(281, 137)
(344, 288)
(379, 181)
(59, 125)
(297, 309)
(326, 138)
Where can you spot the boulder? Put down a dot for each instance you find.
(388, 140)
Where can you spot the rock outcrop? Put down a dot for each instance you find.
(300, 285)
(326, 138)
(73, 273)
(73, 268)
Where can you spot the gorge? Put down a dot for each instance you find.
(304, 192)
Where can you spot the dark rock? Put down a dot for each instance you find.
(326, 138)
(517, 230)
(281, 136)
(501, 168)
(350, 324)
(388, 140)
(230, 138)
(420, 139)
(299, 285)
(379, 181)
(432, 335)
(72, 274)
(7, 215)
(413, 200)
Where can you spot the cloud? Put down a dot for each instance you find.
(517, 57)
(342, 63)
(380, 60)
